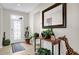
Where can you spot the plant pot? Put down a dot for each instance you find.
(27, 41)
(48, 37)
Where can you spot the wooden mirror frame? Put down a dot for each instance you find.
(63, 25)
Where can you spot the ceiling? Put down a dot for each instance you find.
(23, 7)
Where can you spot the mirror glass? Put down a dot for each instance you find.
(53, 16)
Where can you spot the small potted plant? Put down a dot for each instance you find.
(27, 35)
(36, 35)
(47, 33)
(43, 51)
(28, 39)
(5, 41)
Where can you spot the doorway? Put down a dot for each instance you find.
(16, 28)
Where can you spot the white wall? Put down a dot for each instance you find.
(32, 16)
(6, 21)
(72, 26)
(0, 28)
(36, 14)
(37, 28)
(1, 25)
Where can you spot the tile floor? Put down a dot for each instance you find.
(7, 50)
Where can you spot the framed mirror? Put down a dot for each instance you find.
(54, 16)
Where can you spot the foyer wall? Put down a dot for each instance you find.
(6, 19)
(6, 22)
(1, 26)
(72, 30)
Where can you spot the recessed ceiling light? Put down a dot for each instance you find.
(18, 5)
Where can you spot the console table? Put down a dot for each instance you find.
(52, 44)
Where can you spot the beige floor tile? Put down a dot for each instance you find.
(7, 50)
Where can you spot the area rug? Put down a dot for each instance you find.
(16, 47)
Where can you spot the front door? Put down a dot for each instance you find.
(16, 28)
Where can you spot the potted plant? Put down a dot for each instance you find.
(43, 51)
(36, 35)
(28, 39)
(47, 33)
(5, 41)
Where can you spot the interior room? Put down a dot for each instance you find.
(39, 28)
